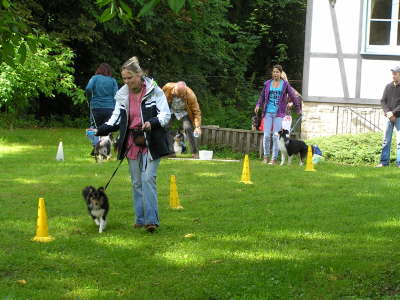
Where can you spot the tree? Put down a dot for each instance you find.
(47, 71)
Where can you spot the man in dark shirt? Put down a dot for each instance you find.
(391, 106)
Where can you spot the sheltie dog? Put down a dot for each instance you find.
(97, 205)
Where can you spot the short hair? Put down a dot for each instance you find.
(104, 69)
(132, 65)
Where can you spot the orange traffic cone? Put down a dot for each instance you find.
(246, 171)
(174, 202)
(309, 163)
(42, 230)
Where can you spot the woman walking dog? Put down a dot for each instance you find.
(141, 112)
(100, 92)
(273, 102)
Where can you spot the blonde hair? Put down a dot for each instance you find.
(132, 65)
(284, 76)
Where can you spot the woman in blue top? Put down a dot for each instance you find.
(273, 101)
(100, 92)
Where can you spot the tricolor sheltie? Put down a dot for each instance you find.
(97, 205)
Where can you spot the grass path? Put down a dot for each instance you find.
(332, 234)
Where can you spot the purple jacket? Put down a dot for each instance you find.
(287, 92)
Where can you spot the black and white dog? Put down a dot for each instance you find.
(102, 150)
(97, 205)
(290, 147)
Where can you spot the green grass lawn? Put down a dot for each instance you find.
(331, 234)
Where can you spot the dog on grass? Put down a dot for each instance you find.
(290, 147)
(97, 205)
(179, 143)
(102, 150)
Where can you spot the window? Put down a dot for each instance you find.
(382, 28)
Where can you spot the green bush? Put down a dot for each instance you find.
(353, 149)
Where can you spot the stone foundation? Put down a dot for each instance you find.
(326, 119)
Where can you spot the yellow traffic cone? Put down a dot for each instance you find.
(246, 171)
(42, 231)
(173, 194)
(309, 163)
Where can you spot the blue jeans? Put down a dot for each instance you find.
(144, 189)
(387, 141)
(271, 123)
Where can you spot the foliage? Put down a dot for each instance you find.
(332, 234)
(45, 72)
(122, 9)
(352, 149)
(222, 49)
(16, 36)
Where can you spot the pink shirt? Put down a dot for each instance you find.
(135, 121)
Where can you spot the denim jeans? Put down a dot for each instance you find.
(387, 141)
(144, 189)
(100, 115)
(271, 123)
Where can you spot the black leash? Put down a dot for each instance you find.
(115, 171)
(140, 157)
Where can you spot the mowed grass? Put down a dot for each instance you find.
(331, 234)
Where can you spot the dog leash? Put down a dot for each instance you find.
(91, 112)
(115, 171)
(296, 124)
(125, 155)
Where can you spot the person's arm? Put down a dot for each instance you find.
(384, 103)
(295, 98)
(194, 107)
(89, 89)
(112, 124)
(164, 114)
(260, 100)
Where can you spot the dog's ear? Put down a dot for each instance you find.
(100, 189)
(86, 191)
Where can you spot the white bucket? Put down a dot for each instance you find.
(205, 155)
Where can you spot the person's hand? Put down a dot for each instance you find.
(146, 126)
(91, 131)
(256, 109)
(197, 131)
(290, 105)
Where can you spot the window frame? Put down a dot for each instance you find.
(393, 49)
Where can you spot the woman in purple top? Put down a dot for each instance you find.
(273, 102)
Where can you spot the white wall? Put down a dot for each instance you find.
(324, 79)
(375, 75)
(322, 34)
